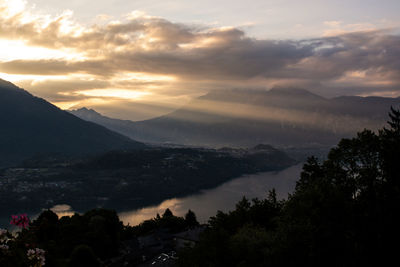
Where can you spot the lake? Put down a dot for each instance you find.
(224, 197)
(207, 202)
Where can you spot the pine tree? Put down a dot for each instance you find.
(394, 120)
(190, 219)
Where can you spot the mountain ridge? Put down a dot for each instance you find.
(31, 126)
(281, 117)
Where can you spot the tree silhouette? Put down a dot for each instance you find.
(168, 213)
(190, 219)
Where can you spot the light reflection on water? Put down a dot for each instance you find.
(224, 197)
(208, 202)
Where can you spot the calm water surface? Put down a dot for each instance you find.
(223, 197)
(207, 202)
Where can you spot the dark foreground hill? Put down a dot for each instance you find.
(281, 117)
(30, 126)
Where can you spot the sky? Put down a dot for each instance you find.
(140, 59)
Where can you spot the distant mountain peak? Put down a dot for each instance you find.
(289, 90)
(293, 91)
(88, 114)
(252, 96)
(85, 110)
(293, 117)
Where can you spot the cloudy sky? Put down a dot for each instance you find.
(139, 59)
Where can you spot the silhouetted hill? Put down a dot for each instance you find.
(30, 126)
(283, 117)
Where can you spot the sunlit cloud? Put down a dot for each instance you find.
(145, 77)
(13, 7)
(113, 93)
(382, 93)
(30, 78)
(17, 49)
(138, 57)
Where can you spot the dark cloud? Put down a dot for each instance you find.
(37, 67)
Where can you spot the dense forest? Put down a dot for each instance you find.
(343, 212)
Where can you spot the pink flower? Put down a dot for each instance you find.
(21, 220)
